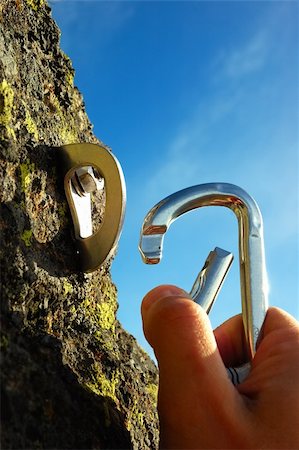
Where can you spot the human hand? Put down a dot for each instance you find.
(199, 407)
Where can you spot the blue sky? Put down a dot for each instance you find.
(187, 93)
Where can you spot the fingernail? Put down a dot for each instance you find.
(161, 292)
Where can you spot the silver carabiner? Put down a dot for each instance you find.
(253, 277)
(86, 167)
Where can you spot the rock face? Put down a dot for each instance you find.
(71, 377)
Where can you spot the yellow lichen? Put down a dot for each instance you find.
(26, 169)
(85, 303)
(35, 4)
(6, 107)
(106, 315)
(101, 385)
(65, 126)
(69, 78)
(31, 126)
(101, 314)
(73, 310)
(26, 237)
(67, 288)
(135, 417)
(68, 136)
(152, 390)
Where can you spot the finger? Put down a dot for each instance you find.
(230, 338)
(277, 355)
(278, 319)
(279, 338)
(272, 384)
(157, 294)
(190, 365)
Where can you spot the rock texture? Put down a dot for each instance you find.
(71, 377)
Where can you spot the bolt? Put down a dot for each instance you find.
(87, 180)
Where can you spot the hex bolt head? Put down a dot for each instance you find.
(86, 180)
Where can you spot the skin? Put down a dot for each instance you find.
(199, 408)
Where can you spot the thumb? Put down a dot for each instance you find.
(175, 326)
(191, 368)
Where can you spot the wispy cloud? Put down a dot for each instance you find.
(192, 156)
(245, 59)
(193, 152)
(269, 172)
(215, 144)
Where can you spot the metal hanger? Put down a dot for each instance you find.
(87, 168)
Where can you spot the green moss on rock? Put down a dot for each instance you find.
(26, 237)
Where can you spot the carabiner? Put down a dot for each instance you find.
(253, 277)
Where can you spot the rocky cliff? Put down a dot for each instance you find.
(71, 377)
